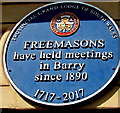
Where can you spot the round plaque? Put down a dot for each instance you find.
(62, 53)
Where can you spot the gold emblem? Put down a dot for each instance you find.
(64, 24)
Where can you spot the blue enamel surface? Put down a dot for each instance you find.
(91, 28)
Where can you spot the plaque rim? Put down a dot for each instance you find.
(57, 104)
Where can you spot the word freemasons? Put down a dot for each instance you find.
(76, 44)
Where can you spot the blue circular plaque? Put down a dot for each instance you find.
(62, 53)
